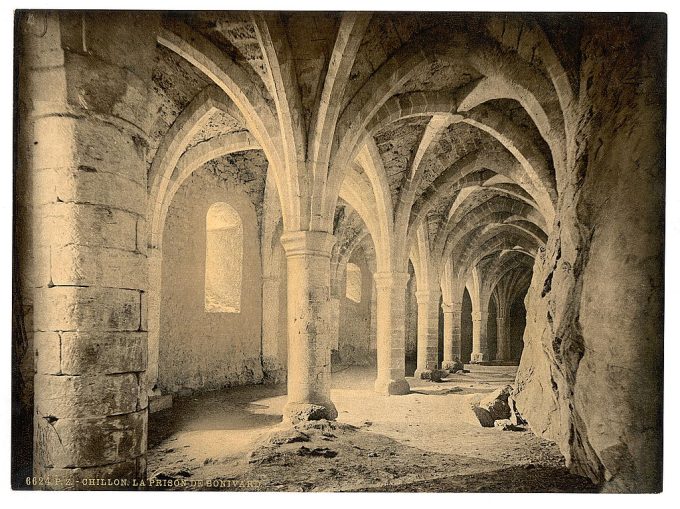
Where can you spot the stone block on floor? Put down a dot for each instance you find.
(160, 402)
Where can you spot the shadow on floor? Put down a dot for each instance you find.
(515, 479)
(231, 409)
(444, 390)
(334, 457)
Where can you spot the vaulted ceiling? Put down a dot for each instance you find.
(446, 130)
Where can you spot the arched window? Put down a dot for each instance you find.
(353, 290)
(223, 259)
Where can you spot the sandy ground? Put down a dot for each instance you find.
(428, 440)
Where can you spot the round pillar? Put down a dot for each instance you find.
(503, 344)
(391, 332)
(309, 326)
(480, 347)
(428, 328)
(451, 335)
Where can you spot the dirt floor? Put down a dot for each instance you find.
(428, 440)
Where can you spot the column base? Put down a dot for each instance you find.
(477, 357)
(301, 412)
(392, 387)
(453, 366)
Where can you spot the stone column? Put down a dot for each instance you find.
(335, 323)
(480, 347)
(428, 329)
(390, 294)
(157, 401)
(374, 323)
(451, 335)
(89, 169)
(502, 340)
(309, 325)
(456, 343)
(338, 292)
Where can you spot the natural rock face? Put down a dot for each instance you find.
(595, 306)
(515, 417)
(303, 413)
(483, 416)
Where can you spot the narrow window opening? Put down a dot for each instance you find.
(223, 259)
(353, 285)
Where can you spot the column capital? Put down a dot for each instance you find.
(500, 318)
(480, 315)
(307, 243)
(387, 280)
(447, 308)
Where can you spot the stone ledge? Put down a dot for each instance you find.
(159, 402)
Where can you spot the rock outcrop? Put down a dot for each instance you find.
(590, 373)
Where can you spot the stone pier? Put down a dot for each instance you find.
(390, 331)
(88, 88)
(309, 325)
(480, 346)
(428, 330)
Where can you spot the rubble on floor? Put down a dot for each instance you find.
(497, 409)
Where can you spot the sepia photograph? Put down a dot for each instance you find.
(338, 251)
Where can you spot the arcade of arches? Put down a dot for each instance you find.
(206, 200)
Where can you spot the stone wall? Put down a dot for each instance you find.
(516, 323)
(354, 339)
(202, 350)
(492, 330)
(283, 318)
(411, 324)
(590, 374)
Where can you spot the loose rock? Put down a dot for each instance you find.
(507, 425)
(496, 403)
(492, 407)
(456, 366)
